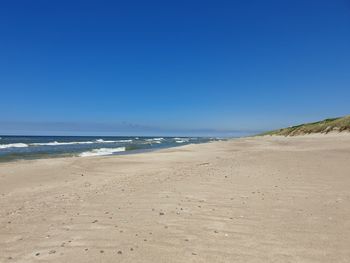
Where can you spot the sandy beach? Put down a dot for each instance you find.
(263, 199)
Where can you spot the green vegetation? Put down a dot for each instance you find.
(325, 126)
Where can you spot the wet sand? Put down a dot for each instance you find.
(266, 199)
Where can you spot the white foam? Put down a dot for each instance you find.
(55, 143)
(181, 140)
(13, 145)
(154, 140)
(103, 141)
(102, 151)
(124, 141)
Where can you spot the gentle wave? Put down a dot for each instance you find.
(154, 140)
(13, 145)
(55, 143)
(181, 141)
(124, 141)
(102, 151)
(103, 141)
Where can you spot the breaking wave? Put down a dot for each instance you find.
(13, 145)
(124, 141)
(181, 140)
(102, 151)
(55, 143)
(154, 140)
(109, 141)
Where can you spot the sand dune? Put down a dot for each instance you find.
(266, 199)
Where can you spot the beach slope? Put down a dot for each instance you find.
(263, 199)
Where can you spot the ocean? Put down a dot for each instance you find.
(35, 147)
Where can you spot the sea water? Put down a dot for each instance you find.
(34, 147)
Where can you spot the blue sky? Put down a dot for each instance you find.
(171, 67)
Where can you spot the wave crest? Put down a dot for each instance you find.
(102, 151)
(55, 143)
(13, 145)
(154, 140)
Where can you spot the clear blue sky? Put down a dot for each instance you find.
(162, 67)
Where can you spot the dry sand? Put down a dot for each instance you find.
(267, 199)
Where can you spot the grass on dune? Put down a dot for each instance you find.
(325, 126)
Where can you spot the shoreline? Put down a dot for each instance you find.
(35, 147)
(252, 199)
(128, 152)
